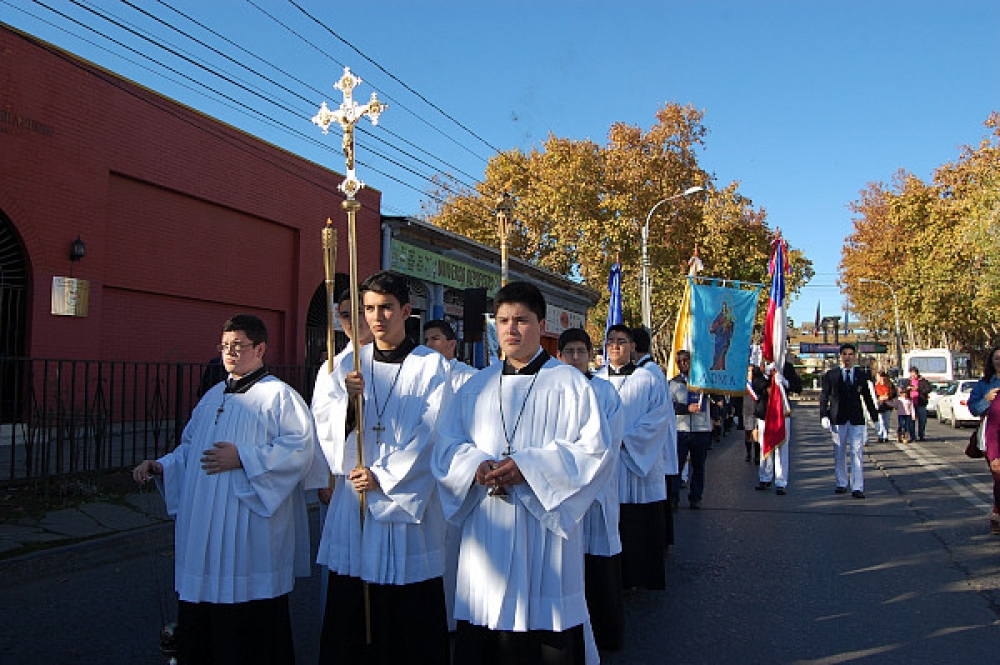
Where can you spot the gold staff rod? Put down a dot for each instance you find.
(330, 266)
(329, 236)
(347, 116)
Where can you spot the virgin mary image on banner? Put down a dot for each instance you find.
(721, 327)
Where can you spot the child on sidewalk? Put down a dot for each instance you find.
(905, 432)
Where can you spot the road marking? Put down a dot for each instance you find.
(947, 474)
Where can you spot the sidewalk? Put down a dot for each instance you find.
(89, 534)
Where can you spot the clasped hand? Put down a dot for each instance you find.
(499, 474)
(221, 457)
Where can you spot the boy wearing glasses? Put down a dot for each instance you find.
(398, 552)
(602, 544)
(235, 486)
(642, 492)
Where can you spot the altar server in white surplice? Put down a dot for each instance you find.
(643, 359)
(647, 414)
(400, 551)
(325, 493)
(602, 545)
(236, 487)
(440, 336)
(520, 458)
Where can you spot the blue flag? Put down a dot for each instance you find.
(721, 325)
(615, 304)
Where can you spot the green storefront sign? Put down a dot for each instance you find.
(423, 264)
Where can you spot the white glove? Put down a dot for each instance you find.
(825, 423)
(769, 370)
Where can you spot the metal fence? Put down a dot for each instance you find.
(64, 417)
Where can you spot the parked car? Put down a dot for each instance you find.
(954, 408)
(940, 389)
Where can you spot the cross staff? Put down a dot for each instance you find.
(347, 116)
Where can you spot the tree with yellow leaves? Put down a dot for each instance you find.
(580, 205)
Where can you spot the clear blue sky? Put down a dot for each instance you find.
(805, 102)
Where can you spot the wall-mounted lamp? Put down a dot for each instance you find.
(78, 250)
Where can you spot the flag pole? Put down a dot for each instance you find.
(347, 116)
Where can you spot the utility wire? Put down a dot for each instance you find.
(303, 83)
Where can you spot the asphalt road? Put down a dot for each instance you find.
(908, 575)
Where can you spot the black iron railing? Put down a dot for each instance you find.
(62, 417)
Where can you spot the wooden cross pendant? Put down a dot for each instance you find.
(378, 429)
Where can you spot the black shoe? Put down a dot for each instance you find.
(781, 491)
(694, 504)
(858, 494)
(748, 457)
(840, 490)
(761, 486)
(684, 484)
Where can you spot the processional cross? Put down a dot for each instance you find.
(347, 117)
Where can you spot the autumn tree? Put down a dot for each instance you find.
(580, 206)
(936, 244)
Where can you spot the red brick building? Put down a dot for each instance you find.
(185, 220)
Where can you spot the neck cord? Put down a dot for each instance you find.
(503, 422)
(379, 412)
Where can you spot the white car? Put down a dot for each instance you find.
(954, 408)
(940, 389)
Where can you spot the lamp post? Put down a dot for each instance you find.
(505, 213)
(647, 316)
(895, 307)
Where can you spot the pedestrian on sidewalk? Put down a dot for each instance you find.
(235, 486)
(843, 391)
(904, 415)
(920, 390)
(981, 400)
(885, 392)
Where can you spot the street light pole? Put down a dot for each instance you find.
(895, 307)
(647, 316)
(504, 212)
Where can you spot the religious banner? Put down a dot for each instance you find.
(721, 327)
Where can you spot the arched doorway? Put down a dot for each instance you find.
(13, 313)
(316, 321)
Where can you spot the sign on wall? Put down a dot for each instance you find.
(70, 296)
(426, 265)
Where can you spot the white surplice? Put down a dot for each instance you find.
(459, 373)
(647, 413)
(242, 535)
(600, 524)
(670, 464)
(521, 560)
(403, 539)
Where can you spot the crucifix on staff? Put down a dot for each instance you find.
(347, 116)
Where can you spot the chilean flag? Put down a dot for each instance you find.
(774, 346)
